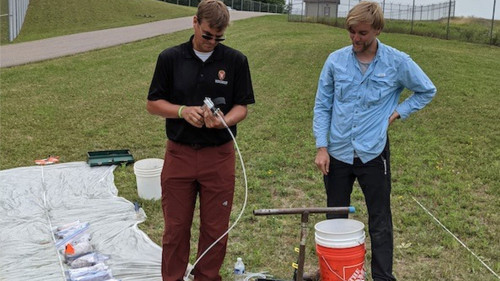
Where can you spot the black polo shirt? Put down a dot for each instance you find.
(183, 78)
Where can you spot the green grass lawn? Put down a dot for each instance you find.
(447, 156)
(45, 19)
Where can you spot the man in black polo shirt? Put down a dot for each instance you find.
(200, 157)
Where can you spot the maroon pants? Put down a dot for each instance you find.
(188, 172)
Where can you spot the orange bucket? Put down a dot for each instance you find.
(345, 264)
(341, 250)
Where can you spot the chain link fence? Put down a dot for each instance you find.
(434, 20)
(240, 5)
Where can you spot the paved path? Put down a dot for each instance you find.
(33, 51)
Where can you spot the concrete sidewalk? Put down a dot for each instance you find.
(39, 50)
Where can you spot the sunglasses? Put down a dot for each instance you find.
(210, 37)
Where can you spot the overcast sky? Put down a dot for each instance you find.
(464, 8)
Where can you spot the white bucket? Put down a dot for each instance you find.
(339, 233)
(148, 175)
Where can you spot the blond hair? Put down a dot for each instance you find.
(366, 12)
(214, 12)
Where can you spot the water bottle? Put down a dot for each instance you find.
(239, 270)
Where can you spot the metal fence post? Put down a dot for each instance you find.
(448, 25)
(11, 15)
(16, 9)
(17, 13)
(302, 11)
(412, 15)
(492, 22)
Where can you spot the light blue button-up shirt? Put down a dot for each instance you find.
(352, 110)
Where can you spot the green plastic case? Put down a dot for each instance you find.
(109, 157)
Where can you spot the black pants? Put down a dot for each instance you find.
(374, 177)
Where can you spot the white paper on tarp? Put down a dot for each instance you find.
(32, 198)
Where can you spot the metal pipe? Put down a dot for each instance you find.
(292, 211)
(302, 248)
(303, 226)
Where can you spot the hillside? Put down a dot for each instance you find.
(50, 18)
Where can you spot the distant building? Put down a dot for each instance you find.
(322, 8)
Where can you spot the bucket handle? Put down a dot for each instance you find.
(331, 270)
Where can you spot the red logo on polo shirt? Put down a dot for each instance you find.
(222, 74)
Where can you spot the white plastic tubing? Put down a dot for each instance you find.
(188, 272)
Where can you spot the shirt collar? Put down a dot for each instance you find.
(380, 46)
(216, 55)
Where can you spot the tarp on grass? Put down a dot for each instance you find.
(35, 199)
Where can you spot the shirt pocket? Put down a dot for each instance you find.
(343, 84)
(378, 89)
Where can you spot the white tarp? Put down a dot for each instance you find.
(35, 199)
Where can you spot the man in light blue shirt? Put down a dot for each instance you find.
(356, 101)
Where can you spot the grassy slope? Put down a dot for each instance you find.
(446, 156)
(46, 18)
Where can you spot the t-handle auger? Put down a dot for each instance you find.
(304, 220)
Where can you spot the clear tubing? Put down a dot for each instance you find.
(186, 277)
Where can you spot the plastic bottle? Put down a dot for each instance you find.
(239, 270)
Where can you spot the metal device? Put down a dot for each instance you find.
(208, 103)
(214, 105)
(304, 212)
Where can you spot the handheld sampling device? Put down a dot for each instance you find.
(213, 105)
